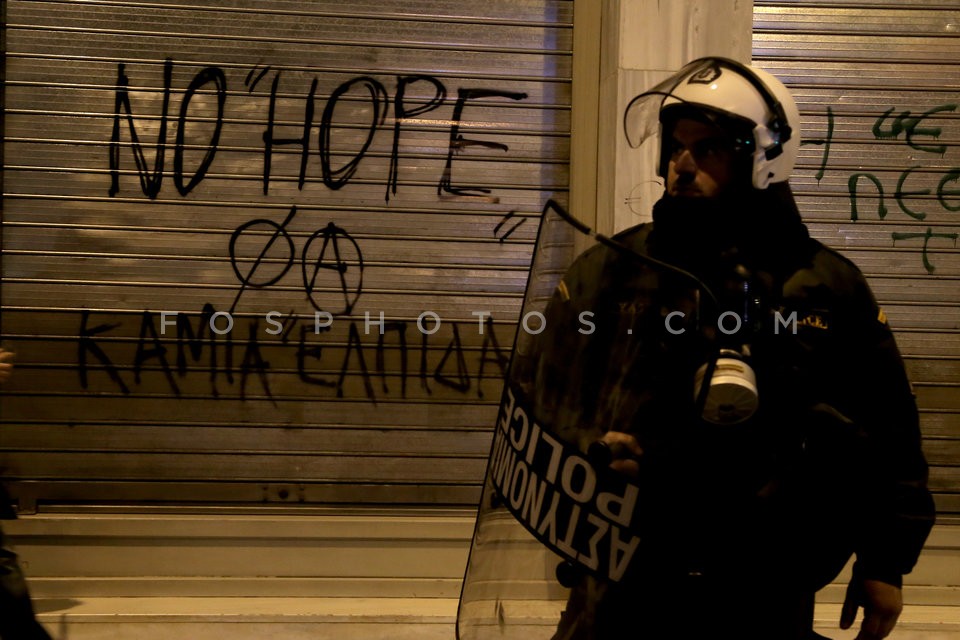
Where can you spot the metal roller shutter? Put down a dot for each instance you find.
(879, 175)
(261, 165)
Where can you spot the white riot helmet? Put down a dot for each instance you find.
(753, 103)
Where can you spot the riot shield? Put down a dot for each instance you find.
(556, 524)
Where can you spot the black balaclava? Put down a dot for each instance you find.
(762, 225)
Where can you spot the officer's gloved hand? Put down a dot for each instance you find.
(618, 450)
(881, 602)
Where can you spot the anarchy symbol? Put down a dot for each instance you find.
(274, 252)
(345, 267)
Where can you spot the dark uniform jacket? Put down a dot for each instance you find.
(769, 510)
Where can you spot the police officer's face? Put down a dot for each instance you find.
(701, 160)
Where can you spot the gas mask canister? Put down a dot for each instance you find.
(725, 387)
(730, 396)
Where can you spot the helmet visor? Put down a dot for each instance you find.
(641, 119)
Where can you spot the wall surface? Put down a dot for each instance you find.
(878, 86)
(269, 252)
(302, 158)
(104, 420)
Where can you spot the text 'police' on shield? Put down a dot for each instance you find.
(584, 514)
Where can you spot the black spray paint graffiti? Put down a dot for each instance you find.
(180, 345)
(334, 177)
(339, 254)
(151, 181)
(263, 251)
(909, 126)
